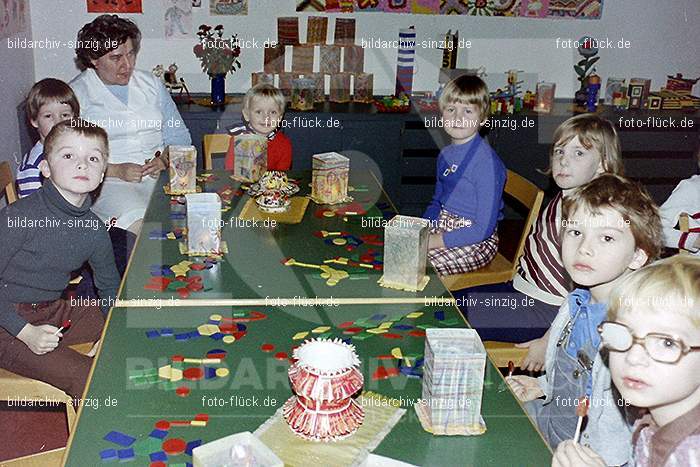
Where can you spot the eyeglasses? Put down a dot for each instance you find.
(660, 347)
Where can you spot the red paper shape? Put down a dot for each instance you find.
(114, 6)
(183, 391)
(391, 335)
(380, 374)
(267, 347)
(416, 333)
(193, 374)
(174, 446)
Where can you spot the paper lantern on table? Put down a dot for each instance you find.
(302, 94)
(249, 157)
(183, 169)
(405, 253)
(324, 378)
(203, 223)
(340, 87)
(545, 97)
(329, 178)
(364, 87)
(319, 80)
(274, 59)
(286, 84)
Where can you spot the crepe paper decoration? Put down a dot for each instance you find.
(340, 87)
(113, 6)
(426, 7)
(319, 84)
(274, 59)
(329, 178)
(364, 87)
(288, 30)
(405, 61)
(302, 59)
(317, 30)
(324, 378)
(311, 5)
(330, 59)
(534, 8)
(369, 5)
(581, 412)
(344, 31)
(397, 6)
(353, 59)
(228, 7)
(262, 77)
(454, 365)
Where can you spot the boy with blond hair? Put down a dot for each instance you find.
(657, 307)
(263, 109)
(42, 239)
(610, 227)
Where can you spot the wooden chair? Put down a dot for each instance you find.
(214, 144)
(684, 226)
(501, 269)
(16, 387)
(7, 182)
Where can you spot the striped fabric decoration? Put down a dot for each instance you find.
(288, 30)
(344, 31)
(405, 61)
(317, 30)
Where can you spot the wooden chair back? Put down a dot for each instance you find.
(214, 144)
(7, 182)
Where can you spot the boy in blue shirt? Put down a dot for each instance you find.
(610, 228)
(468, 200)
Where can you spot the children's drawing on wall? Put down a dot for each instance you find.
(228, 7)
(12, 17)
(114, 6)
(177, 18)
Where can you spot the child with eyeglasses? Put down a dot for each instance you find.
(610, 227)
(652, 337)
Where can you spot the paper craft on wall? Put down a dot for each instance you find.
(196, 3)
(339, 6)
(534, 8)
(330, 59)
(405, 61)
(177, 18)
(426, 7)
(14, 18)
(453, 7)
(591, 9)
(113, 6)
(397, 6)
(317, 30)
(368, 5)
(303, 59)
(311, 5)
(353, 59)
(288, 30)
(228, 7)
(273, 61)
(344, 31)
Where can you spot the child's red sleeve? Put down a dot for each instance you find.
(228, 162)
(279, 153)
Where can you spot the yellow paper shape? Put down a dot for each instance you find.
(377, 330)
(164, 372)
(415, 314)
(300, 335)
(396, 353)
(208, 329)
(321, 329)
(386, 324)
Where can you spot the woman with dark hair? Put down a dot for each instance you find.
(136, 110)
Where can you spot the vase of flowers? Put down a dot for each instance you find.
(219, 56)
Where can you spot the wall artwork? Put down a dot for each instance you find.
(228, 7)
(13, 17)
(113, 6)
(177, 19)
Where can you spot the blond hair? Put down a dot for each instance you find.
(594, 133)
(467, 89)
(264, 90)
(672, 284)
(627, 198)
(76, 126)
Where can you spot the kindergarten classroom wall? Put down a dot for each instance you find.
(649, 39)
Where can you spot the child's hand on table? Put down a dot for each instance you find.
(154, 166)
(40, 339)
(537, 348)
(525, 388)
(128, 171)
(570, 454)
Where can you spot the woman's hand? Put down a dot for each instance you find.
(40, 339)
(524, 387)
(154, 166)
(128, 171)
(570, 454)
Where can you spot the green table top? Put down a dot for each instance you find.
(252, 268)
(258, 378)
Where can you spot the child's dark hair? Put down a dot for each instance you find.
(76, 126)
(50, 90)
(630, 200)
(104, 34)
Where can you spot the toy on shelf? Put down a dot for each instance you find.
(183, 169)
(249, 157)
(510, 100)
(405, 253)
(170, 80)
(679, 84)
(584, 67)
(324, 377)
(545, 97)
(612, 86)
(453, 382)
(329, 178)
(203, 223)
(393, 104)
(449, 52)
(638, 92)
(593, 90)
(303, 94)
(272, 192)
